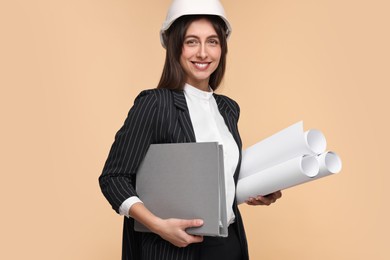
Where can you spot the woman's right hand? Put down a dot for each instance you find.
(174, 231)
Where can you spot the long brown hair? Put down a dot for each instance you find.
(173, 76)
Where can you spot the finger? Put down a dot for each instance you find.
(273, 198)
(196, 239)
(270, 198)
(254, 202)
(276, 195)
(189, 239)
(186, 223)
(265, 200)
(250, 201)
(257, 203)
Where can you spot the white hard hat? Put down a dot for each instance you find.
(179, 8)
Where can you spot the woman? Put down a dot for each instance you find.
(183, 108)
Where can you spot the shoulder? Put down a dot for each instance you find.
(225, 102)
(157, 95)
(152, 99)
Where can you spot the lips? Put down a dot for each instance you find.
(201, 65)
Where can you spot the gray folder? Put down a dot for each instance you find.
(186, 181)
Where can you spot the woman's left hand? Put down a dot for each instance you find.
(264, 200)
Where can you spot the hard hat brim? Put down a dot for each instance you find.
(165, 27)
(181, 8)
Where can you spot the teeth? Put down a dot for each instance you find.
(201, 65)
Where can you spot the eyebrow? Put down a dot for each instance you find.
(194, 36)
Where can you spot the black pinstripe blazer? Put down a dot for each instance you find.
(157, 116)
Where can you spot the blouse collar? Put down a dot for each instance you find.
(193, 91)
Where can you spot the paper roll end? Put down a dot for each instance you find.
(333, 162)
(315, 141)
(310, 166)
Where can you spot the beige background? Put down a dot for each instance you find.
(69, 72)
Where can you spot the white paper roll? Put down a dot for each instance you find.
(290, 173)
(330, 163)
(315, 141)
(287, 144)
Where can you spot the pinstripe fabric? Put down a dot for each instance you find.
(157, 116)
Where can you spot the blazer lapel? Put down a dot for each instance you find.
(184, 116)
(230, 115)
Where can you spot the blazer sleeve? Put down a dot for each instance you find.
(131, 143)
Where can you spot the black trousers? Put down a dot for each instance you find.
(228, 248)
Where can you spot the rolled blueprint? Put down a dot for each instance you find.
(330, 163)
(290, 173)
(287, 144)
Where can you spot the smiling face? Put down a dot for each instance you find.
(201, 53)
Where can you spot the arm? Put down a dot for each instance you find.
(132, 141)
(117, 181)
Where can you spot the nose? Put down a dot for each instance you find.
(202, 52)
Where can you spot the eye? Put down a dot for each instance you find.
(191, 42)
(213, 42)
